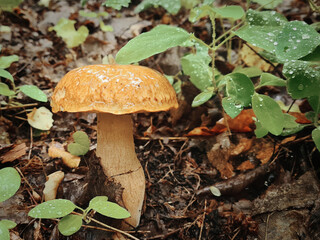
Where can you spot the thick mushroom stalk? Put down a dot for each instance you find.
(116, 149)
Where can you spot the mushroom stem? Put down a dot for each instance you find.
(119, 161)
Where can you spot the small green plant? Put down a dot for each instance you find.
(71, 221)
(11, 91)
(9, 184)
(81, 144)
(293, 44)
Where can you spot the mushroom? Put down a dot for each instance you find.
(114, 92)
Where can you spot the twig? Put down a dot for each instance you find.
(20, 106)
(26, 181)
(203, 218)
(109, 227)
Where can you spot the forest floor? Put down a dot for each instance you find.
(270, 186)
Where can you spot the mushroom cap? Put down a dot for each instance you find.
(116, 89)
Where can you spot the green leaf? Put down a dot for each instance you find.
(150, 43)
(170, 78)
(105, 28)
(314, 56)
(81, 145)
(9, 183)
(265, 18)
(9, 5)
(5, 61)
(233, 12)
(8, 223)
(268, 79)
(4, 232)
(269, 4)
(34, 92)
(303, 80)
(268, 113)
(291, 131)
(314, 102)
(290, 121)
(177, 86)
(201, 98)
(297, 39)
(171, 6)
(260, 36)
(231, 107)
(88, 14)
(5, 74)
(5, 91)
(240, 88)
(260, 131)
(117, 4)
(196, 67)
(109, 209)
(262, 29)
(56, 208)
(203, 52)
(70, 224)
(65, 29)
(316, 137)
(249, 71)
(189, 4)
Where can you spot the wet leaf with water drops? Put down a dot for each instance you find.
(199, 71)
(240, 88)
(296, 40)
(52, 209)
(303, 79)
(231, 107)
(265, 18)
(9, 183)
(269, 113)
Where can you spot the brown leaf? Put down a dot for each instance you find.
(246, 165)
(243, 146)
(16, 152)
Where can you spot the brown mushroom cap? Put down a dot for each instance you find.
(117, 89)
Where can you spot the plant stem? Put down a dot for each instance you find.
(229, 31)
(20, 106)
(213, 55)
(316, 117)
(112, 228)
(200, 41)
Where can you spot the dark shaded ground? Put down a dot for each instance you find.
(280, 199)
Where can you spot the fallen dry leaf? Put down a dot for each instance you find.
(16, 152)
(243, 146)
(242, 123)
(56, 150)
(246, 165)
(52, 184)
(250, 58)
(219, 156)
